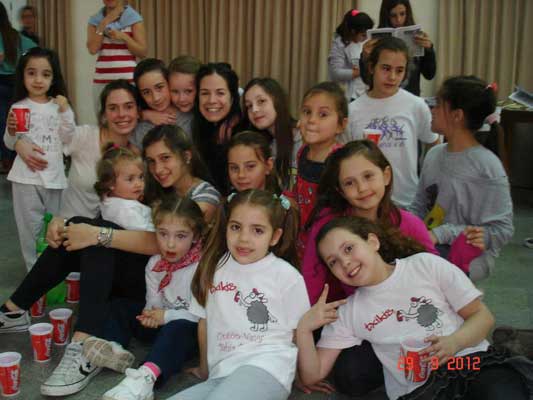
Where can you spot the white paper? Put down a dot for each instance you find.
(406, 33)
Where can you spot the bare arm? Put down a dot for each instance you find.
(208, 209)
(94, 40)
(202, 371)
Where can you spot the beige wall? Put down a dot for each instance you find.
(425, 12)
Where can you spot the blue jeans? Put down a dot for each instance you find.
(173, 343)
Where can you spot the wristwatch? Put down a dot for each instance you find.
(105, 236)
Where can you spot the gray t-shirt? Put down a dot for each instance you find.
(183, 120)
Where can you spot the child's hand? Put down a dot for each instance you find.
(321, 313)
(62, 102)
(31, 155)
(159, 118)
(115, 34)
(368, 47)
(475, 235)
(422, 39)
(355, 72)
(322, 386)
(11, 123)
(54, 234)
(199, 372)
(442, 347)
(152, 318)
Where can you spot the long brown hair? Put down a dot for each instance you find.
(216, 248)
(392, 243)
(387, 6)
(329, 190)
(10, 37)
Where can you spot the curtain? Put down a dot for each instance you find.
(492, 41)
(287, 40)
(53, 28)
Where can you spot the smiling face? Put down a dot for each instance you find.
(398, 16)
(121, 112)
(249, 233)
(352, 259)
(129, 180)
(182, 91)
(388, 73)
(319, 120)
(362, 183)
(260, 108)
(174, 237)
(153, 88)
(246, 170)
(167, 167)
(214, 98)
(38, 76)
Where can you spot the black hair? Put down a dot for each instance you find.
(387, 6)
(386, 43)
(352, 24)
(10, 37)
(27, 8)
(145, 66)
(470, 94)
(57, 86)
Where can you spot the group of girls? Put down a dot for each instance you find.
(222, 282)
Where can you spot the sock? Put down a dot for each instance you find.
(7, 312)
(153, 368)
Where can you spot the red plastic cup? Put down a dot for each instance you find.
(61, 318)
(73, 287)
(373, 135)
(10, 373)
(41, 341)
(22, 113)
(415, 370)
(37, 309)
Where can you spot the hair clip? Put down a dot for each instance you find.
(493, 86)
(285, 203)
(355, 12)
(231, 196)
(116, 146)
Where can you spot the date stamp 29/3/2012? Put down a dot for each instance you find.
(453, 364)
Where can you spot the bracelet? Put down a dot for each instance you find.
(100, 33)
(105, 236)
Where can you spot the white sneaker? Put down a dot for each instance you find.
(14, 321)
(71, 375)
(137, 385)
(103, 353)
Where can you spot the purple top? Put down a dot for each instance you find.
(316, 275)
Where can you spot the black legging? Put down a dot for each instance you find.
(105, 273)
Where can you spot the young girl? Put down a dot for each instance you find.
(402, 118)
(458, 178)
(418, 296)
(39, 87)
(217, 112)
(343, 59)
(323, 117)
(250, 163)
(267, 110)
(151, 78)
(182, 83)
(120, 186)
(165, 319)
(249, 299)
(357, 181)
(176, 168)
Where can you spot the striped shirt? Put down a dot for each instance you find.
(204, 192)
(115, 61)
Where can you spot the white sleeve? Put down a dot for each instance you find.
(340, 334)
(423, 123)
(153, 298)
(8, 139)
(131, 219)
(197, 309)
(79, 140)
(67, 126)
(295, 302)
(456, 286)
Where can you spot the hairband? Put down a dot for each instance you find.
(285, 203)
(355, 12)
(493, 86)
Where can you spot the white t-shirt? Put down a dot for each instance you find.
(50, 130)
(129, 214)
(421, 298)
(80, 198)
(252, 311)
(403, 120)
(355, 87)
(175, 298)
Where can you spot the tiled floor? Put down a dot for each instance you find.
(508, 293)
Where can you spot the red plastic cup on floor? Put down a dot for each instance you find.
(60, 319)
(41, 341)
(415, 369)
(73, 287)
(37, 309)
(373, 135)
(22, 113)
(10, 373)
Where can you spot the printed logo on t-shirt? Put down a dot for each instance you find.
(256, 311)
(393, 134)
(425, 313)
(181, 304)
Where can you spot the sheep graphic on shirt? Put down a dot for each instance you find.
(425, 313)
(256, 311)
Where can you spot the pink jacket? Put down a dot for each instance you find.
(315, 273)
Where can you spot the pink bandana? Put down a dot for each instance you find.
(192, 256)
